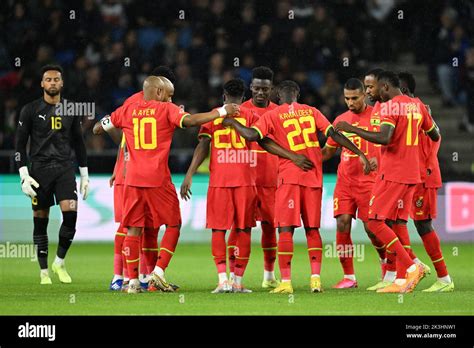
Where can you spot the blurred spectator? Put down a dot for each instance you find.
(112, 45)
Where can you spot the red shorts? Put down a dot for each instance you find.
(160, 204)
(265, 204)
(390, 200)
(349, 199)
(424, 204)
(229, 207)
(294, 203)
(118, 201)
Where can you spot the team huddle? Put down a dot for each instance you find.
(266, 165)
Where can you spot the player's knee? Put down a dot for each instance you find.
(423, 226)
(40, 226)
(343, 223)
(43, 214)
(70, 219)
(389, 223)
(373, 225)
(400, 222)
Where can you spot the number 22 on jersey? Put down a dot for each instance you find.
(297, 123)
(139, 128)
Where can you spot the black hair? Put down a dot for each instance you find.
(375, 72)
(262, 73)
(288, 86)
(234, 88)
(409, 79)
(51, 67)
(354, 83)
(164, 71)
(390, 77)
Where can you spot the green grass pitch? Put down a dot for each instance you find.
(90, 265)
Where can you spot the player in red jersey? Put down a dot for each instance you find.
(298, 195)
(117, 180)
(424, 205)
(403, 118)
(265, 182)
(149, 242)
(352, 191)
(148, 126)
(231, 197)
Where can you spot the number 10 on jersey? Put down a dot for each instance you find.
(139, 127)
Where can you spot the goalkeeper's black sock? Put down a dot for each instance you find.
(66, 232)
(40, 240)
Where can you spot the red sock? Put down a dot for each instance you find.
(315, 250)
(285, 254)
(391, 262)
(131, 248)
(389, 238)
(231, 244)
(433, 248)
(269, 246)
(378, 245)
(401, 230)
(345, 250)
(168, 246)
(243, 246)
(219, 250)
(118, 243)
(143, 268)
(150, 248)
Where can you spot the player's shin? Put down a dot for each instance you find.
(66, 234)
(401, 230)
(131, 249)
(231, 244)
(345, 250)
(269, 246)
(167, 249)
(118, 258)
(242, 256)
(315, 250)
(218, 247)
(150, 249)
(386, 235)
(40, 240)
(433, 248)
(285, 254)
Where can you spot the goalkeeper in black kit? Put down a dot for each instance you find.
(53, 132)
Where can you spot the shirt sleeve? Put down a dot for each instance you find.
(388, 118)
(322, 123)
(176, 115)
(264, 125)
(117, 117)
(22, 136)
(330, 141)
(206, 130)
(427, 124)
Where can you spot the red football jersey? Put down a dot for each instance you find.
(294, 126)
(119, 168)
(148, 127)
(400, 158)
(267, 164)
(232, 162)
(429, 161)
(134, 98)
(350, 169)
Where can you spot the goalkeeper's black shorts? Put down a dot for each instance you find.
(57, 182)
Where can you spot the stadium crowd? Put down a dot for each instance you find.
(107, 47)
